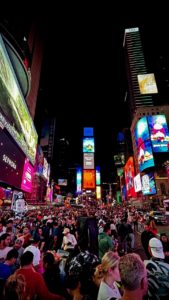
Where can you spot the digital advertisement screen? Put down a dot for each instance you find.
(129, 178)
(89, 179)
(40, 161)
(147, 84)
(79, 176)
(12, 160)
(120, 171)
(88, 131)
(143, 143)
(148, 184)
(62, 182)
(14, 114)
(137, 183)
(88, 145)
(27, 176)
(88, 161)
(45, 168)
(159, 133)
(119, 159)
(98, 179)
(98, 192)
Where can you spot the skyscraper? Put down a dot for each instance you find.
(135, 66)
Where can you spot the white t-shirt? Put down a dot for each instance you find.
(106, 292)
(36, 254)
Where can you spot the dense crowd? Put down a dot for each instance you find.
(53, 254)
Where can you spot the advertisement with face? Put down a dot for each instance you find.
(11, 160)
(159, 133)
(143, 143)
(14, 114)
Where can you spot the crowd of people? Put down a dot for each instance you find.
(47, 254)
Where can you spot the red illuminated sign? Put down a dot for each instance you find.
(129, 177)
(89, 180)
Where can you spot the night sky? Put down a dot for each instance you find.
(83, 73)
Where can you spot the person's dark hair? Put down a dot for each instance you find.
(13, 253)
(49, 259)
(106, 227)
(26, 258)
(4, 236)
(71, 281)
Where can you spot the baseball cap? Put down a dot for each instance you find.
(156, 248)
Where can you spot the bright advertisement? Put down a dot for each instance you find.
(45, 168)
(88, 131)
(148, 184)
(14, 114)
(119, 159)
(159, 133)
(129, 178)
(88, 145)
(143, 143)
(89, 179)
(137, 183)
(147, 84)
(98, 192)
(79, 179)
(88, 161)
(27, 176)
(98, 179)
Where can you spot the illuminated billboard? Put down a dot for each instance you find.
(148, 184)
(45, 168)
(98, 192)
(137, 183)
(12, 160)
(14, 114)
(88, 145)
(27, 176)
(88, 131)
(143, 143)
(119, 159)
(89, 179)
(147, 84)
(62, 182)
(98, 179)
(159, 133)
(129, 178)
(120, 172)
(88, 161)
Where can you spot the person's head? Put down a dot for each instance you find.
(48, 260)
(109, 265)
(26, 259)
(163, 237)
(66, 231)
(97, 275)
(12, 256)
(133, 273)
(5, 240)
(15, 287)
(107, 229)
(18, 244)
(156, 248)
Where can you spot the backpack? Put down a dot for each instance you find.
(158, 280)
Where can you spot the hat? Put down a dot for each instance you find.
(156, 248)
(66, 230)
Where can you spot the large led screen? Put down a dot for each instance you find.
(137, 183)
(147, 84)
(159, 133)
(11, 160)
(143, 143)
(14, 114)
(88, 161)
(129, 178)
(119, 159)
(98, 179)
(148, 184)
(89, 179)
(88, 131)
(88, 145)
(27, 176)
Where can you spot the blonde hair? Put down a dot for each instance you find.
(109, 260)
(15, 287)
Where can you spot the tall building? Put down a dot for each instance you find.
(135, 67)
